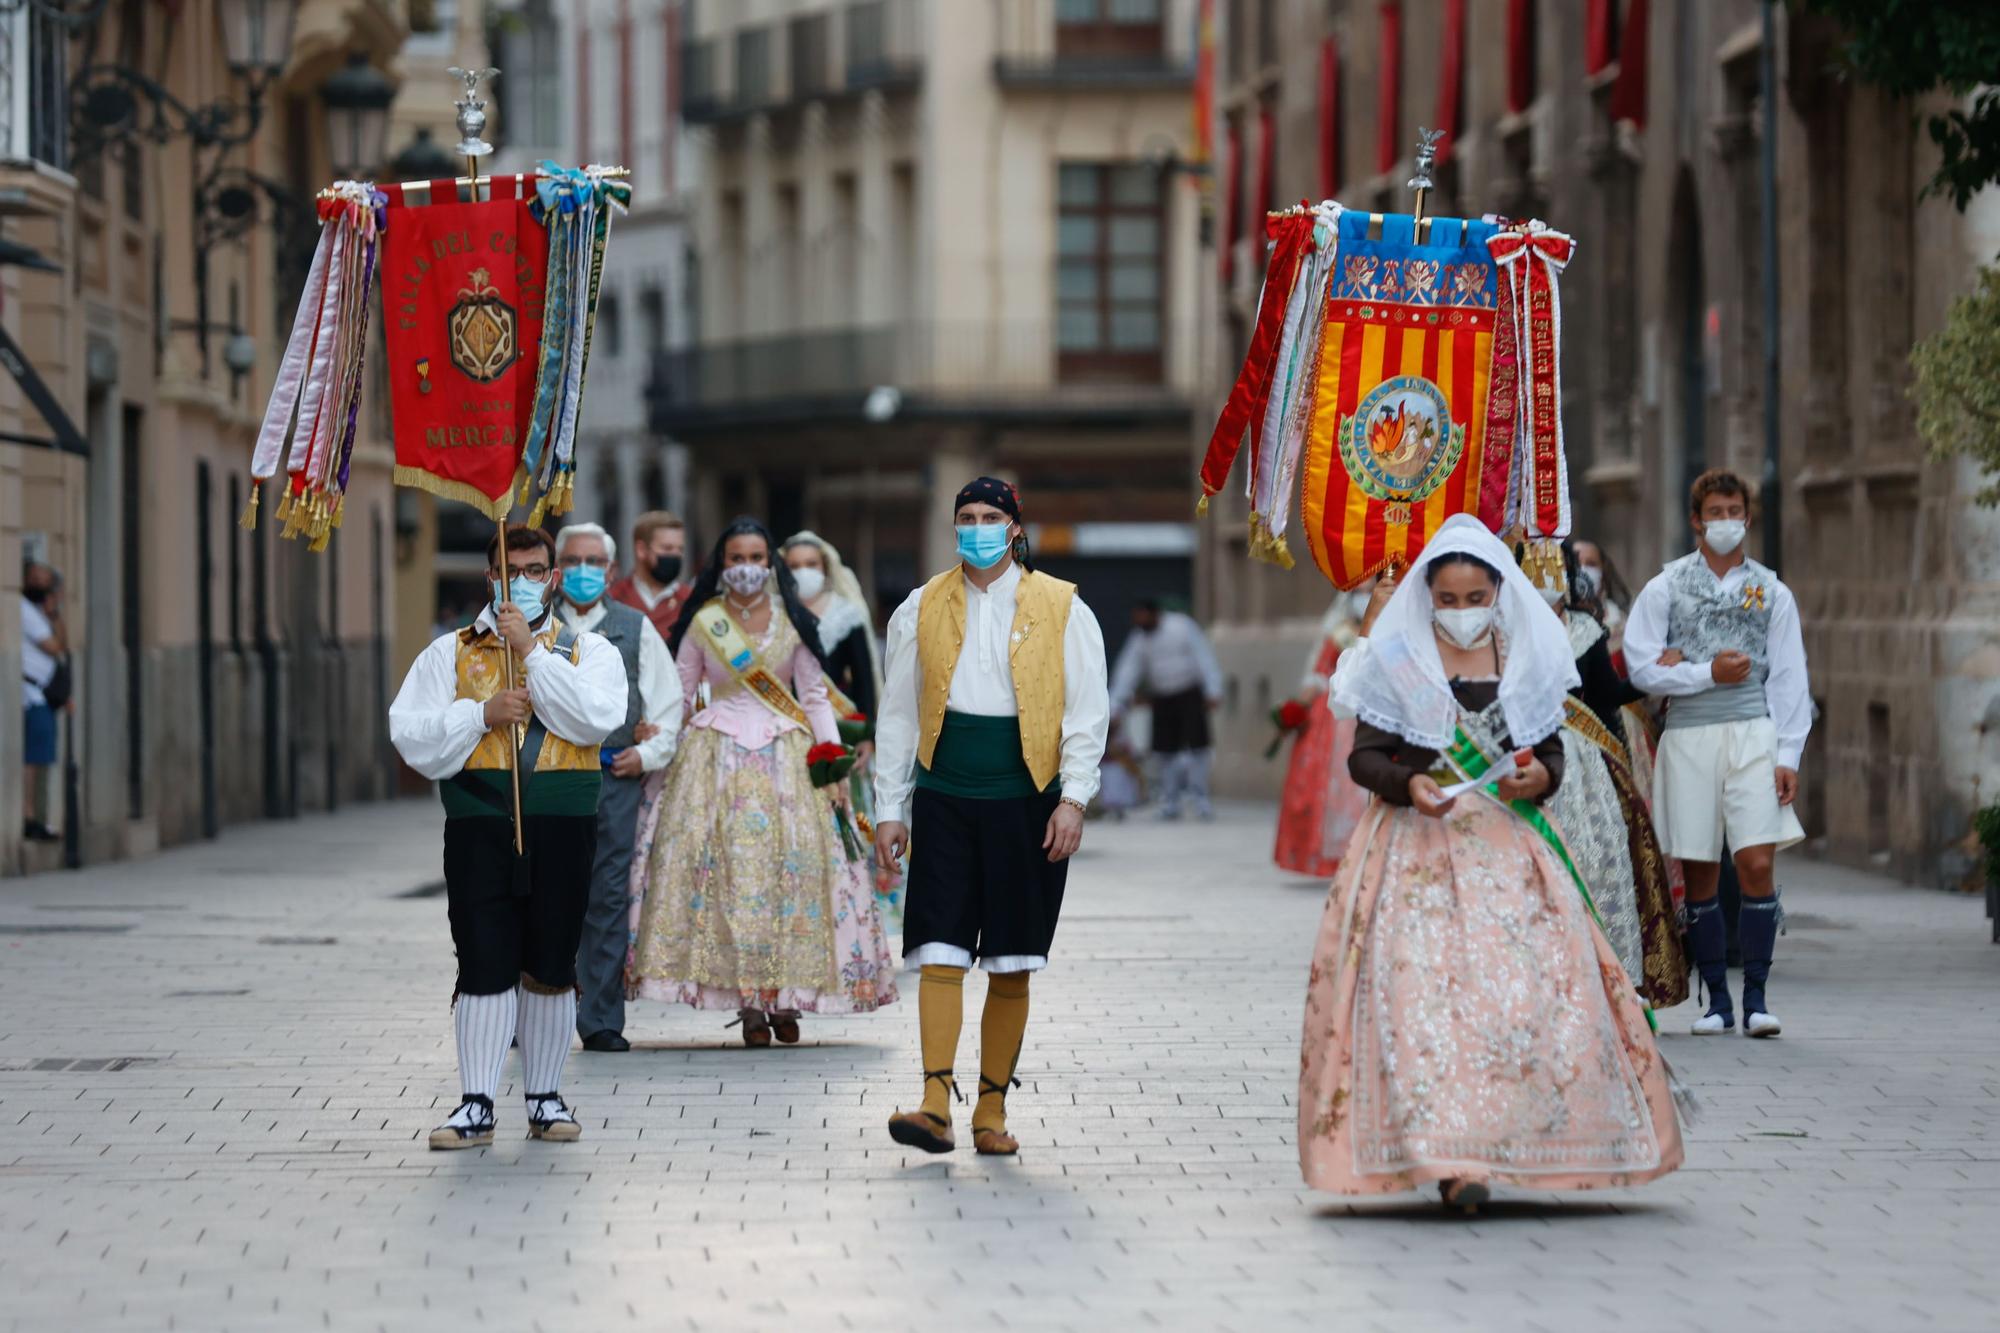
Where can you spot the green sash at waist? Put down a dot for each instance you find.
(978, 759)
(565, 792)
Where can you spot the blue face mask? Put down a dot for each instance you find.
(982, 545)
(584, 584)
(526, 594)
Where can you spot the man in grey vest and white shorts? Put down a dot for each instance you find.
(1718, 635)
(642, 744)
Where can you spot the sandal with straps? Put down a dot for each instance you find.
(989, 1142)
(921, 1129)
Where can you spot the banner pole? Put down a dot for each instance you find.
(471, 121)
(1427, 143)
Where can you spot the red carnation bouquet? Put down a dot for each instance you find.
(830, 762)
(1289, 718)
(855, 728)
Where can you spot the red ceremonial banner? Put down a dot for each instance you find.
(462, 291)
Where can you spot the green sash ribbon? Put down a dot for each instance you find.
(1467, 761)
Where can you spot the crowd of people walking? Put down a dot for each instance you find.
(732, 797)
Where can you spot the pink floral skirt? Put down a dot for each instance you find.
(749, 900)
(1465, 1019)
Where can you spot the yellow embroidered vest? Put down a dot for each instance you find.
(1035, 652)
(482, 674)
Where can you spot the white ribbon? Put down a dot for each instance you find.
(291, 371)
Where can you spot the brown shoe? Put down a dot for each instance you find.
(988, 1141)
(922, 1130)
(994, 1143)
(756, 1028)
(785, 1027)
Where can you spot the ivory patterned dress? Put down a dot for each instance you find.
(1464, 1017)
(750, 901)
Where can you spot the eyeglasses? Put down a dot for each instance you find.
(593, 561)
(534, 573)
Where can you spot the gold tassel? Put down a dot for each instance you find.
(283, 513)
(1281, 553)
(1201, 507)
(339, 511)
(249, 519)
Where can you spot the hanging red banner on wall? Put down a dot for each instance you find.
(462, 290)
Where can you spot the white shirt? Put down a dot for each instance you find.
(659, 684)
(983, 683)
(1786, 693)
(1170, 659)
(436, 731)
(37, 666)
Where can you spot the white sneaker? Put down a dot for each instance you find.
(1761, 1025)
(1713, 1025)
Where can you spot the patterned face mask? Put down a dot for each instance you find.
(746, 580)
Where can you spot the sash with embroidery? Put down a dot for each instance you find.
(724, 638)
(1579, 718)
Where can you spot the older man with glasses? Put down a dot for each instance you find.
(641, 744)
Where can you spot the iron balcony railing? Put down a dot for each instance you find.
(841, 51)
(1066, 44)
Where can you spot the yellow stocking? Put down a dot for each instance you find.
(940, 1015)
(1001, 1027)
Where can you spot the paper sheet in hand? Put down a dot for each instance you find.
(1506, 769)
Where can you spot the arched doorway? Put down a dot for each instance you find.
(1685, 387)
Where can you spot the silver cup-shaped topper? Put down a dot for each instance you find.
(472, 112)
(1427, 151)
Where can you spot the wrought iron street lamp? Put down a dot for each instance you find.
(357, 116)
(423, 159)
(114, 104)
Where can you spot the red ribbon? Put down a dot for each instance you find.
(1290, 235)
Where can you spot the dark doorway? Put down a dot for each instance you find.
(132, 606)
(1687, 292)
(204, 621)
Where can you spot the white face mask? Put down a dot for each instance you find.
(1591, 577)
(1553, 596)
(811, 582)
(1466, 626)
(1724, 535)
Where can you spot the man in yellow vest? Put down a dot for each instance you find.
(989, 733)
(515, 921)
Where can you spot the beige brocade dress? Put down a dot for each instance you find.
(750, 900)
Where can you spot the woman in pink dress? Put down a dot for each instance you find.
(751, 902)
(1466, 1023)
(1321, 804)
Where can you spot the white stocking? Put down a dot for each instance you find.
(485, 1027)
(548, 1025)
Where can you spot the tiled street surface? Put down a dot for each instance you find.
(217, 1068)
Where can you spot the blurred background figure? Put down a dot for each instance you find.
(657, 583)
(1168, 661)
(1599, 587)
(1320, 804)
(853, 657)
(45, 688)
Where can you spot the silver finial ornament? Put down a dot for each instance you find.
(472, 112)
(1427, 148)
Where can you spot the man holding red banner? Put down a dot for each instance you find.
(516, 919)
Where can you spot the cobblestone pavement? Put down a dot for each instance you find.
(217, 1068)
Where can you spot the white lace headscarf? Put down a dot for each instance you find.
(1402, 686)
(840, 581)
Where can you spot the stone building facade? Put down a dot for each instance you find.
(1638, 128)
(220, 674)
(936, 238)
